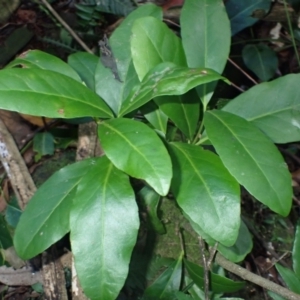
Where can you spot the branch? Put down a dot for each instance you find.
(258, 280)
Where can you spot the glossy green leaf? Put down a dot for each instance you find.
(261, 60)
(137, 150)
(42, 60)
(251, 158)
(218, 284)
(120, 39)
(155, 116)
(274, 107)
(46, 217)
(150, 202)
(167, 283)
(43, 143)
(85, 65)
(108, 87)
(205, 31)
(183, 110)
(296, 251)
(241, 12)
(289, 277)
(104, 224)
(206, 191)
(46, 93)
(152, 43)
(241, 248)
(130, 82)
(166, 79)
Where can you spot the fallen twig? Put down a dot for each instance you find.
(258, 280)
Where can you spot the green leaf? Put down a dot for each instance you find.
(46, 93)
(115, 7)
(204, 27)
(206, 191)
(46, 217)
(42, 60)
(108, 87)
(251, 158)
(130, 82)
(15, 41)
(241, 248)
(153, 42)
(85, 65)
(166, 79)
(155, 117)
(120, 39)
(183, 110)
(167, 283)
(182, 296)
(5, 236)
(150, 201)
(274, 107)
(289, 277)
(12, 213)
(296, 251)
(218, 284)
(261, 60)
(104, 224)
(43, 143)
(136, 149)
(275, 296)
(240, 12)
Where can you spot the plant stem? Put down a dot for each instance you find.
(204, 263)
(237, 87)
(258, 280)
(241, 70)
(258, 40)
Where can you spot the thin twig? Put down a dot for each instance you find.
(258, 280)
(181, 240)
(172, 23)
(241, 70)
(204, 262)
(277, 260)
(67, 27)
(262, 241)
(212, 253)
(297, 201)
(237, 87)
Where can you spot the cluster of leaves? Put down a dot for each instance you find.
(162, 77)
(91, 11)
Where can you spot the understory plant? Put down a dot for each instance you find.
(151, 104)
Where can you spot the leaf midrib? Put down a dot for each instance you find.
(199, 175)
(133, 147)
(246, 150)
